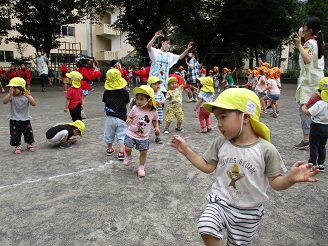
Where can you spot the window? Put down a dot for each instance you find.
(6, 56)
(66, 31)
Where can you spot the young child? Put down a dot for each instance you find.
(63, 72)
(74, 101)
(174, 106)
(155, 84)
(26, 75)
(142, 116)
(216, 75)
(206, 94)
(319, 125)
(245, 164)
(115, 98)
(20, 99)
(63, 132)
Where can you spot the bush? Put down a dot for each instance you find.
(291, 73)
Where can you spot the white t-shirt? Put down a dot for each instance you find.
(241, 175)
(319, 112)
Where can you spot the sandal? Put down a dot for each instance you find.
(18, 150)
(30, 147)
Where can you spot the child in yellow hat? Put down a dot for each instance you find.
(245, 164)
(141, 118)
(20, 123)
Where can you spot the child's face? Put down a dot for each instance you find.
(156, 86)
(16, 91)
(76, 132)
(173, 85)
(141, 100)
(228, 122)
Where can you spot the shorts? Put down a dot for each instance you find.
(85, 92)
(172, 112)
(274, 97)
(140, 144)
(114, 127)
(241, 223)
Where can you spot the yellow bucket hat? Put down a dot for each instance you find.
(114, 80)
(207, 83)
(17, 82)
(245, 101)
(323, 84)
(79, 125)
(170, 80)
(76, 78)
(153, 79)
(146, 90)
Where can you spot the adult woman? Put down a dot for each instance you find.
(161, 59)
(193, 75)
(311, 62)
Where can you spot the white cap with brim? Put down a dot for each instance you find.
(245, 101)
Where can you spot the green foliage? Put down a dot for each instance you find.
(291, 73)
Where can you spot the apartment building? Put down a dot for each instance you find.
(100, 41)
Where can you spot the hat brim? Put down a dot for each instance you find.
(209, 106)
(139, 90)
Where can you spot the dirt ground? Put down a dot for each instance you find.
(80, 196)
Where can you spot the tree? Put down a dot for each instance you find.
(40, 20)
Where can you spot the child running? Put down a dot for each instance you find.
(62, 133)
(155, 84)
(74, 101)
(206, 94)
(20, 99)
(245, 165)
(115, 98)
(142, 116)
(174, 106)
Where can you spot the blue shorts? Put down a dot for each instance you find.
(114, 127)
(273, 97)
(85, 92)
(140, 144)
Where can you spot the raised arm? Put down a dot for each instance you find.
(183, 54)
(151, 42)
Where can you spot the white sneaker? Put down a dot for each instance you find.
(189, 100)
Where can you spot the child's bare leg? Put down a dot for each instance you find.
(128, 150)
(211, 241)
(109, 145)
(143, 157)
(167, 124)
(179, 124)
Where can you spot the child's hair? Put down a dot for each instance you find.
(148, 99)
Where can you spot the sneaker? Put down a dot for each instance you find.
(263, 111)
(166, 131)
(83, 116)
(321, 167)
(204, 130)
(158, 140)
(179, 129)
(65, 145)
(274, 115)
(302, 145)
(18, 150)
(209, 128)
(109, 152)
(194, 100)
(127, 160)
(189, 100)
(43, 89)
(120, 156)
(31, 148)
(141, 171)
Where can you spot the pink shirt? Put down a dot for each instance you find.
(141, 124)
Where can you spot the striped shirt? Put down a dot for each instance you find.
(160, 97)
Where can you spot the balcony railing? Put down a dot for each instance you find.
(105, 55)
(106, 30)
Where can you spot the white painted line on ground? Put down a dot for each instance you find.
(100, 168)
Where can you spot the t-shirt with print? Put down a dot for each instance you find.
(142, 122)
(206, 96)
(241, 175)
(115, 103)
(161, 62)
(176, 100)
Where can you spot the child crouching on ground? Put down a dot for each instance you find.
(20, 123)
(245, 165)
(155, 84)
(141, 118)
(206, 94)
(62, 133)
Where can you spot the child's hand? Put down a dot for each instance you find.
(65, 110)
(178, 143)
(157, 130)
(128, 120)
(11, 91)
(303, 172)
(158, 33)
